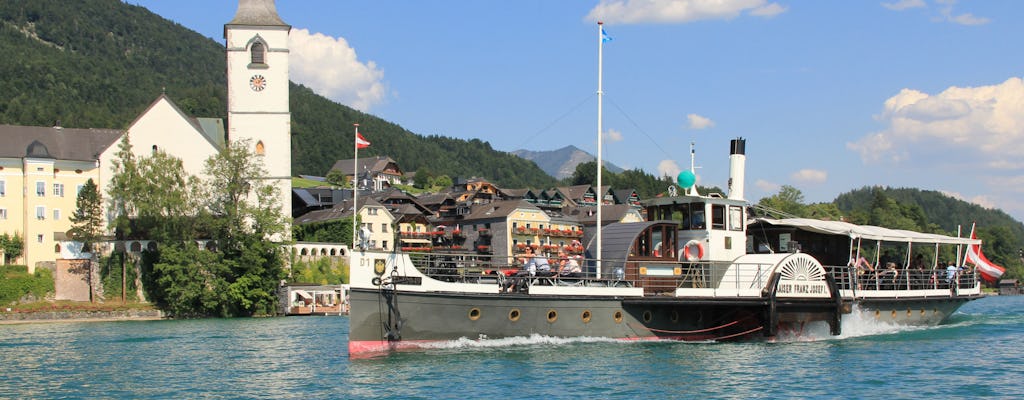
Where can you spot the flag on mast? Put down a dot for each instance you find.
(604, 36)
(989, 271)
(361, 142)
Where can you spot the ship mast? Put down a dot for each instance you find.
(600, 93)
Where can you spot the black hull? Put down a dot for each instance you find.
(434, 317)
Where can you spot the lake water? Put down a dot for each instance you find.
(979, 353)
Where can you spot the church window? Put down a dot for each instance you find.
(258, 52)
(155, 149)
(259, 148)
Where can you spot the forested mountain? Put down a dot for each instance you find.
(99, 63)
(562, 163)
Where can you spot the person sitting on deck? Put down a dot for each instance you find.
(568, 267)
(534, 264)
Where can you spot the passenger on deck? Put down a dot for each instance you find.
(535, 265)
(568, 267)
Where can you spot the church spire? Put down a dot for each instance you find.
(257, 12)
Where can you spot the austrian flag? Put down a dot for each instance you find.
(361, 142)
(989, 271)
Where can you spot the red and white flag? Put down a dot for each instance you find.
(990, 272)
(361, 142)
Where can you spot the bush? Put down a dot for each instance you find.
(17, 283)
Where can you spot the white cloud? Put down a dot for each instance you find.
(968, 19)
(809, 176)
(679, 11)
(985, 119)
(612, 136)
(946, 10)
(669, 168)
(767, 187)
(330, 67)
(698, 122)
(904, 4)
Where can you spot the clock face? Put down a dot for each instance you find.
(258, 83)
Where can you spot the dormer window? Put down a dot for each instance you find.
(258, 53)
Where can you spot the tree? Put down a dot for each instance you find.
(443, 181)
(87, 220)
(337, 178)
(13, 246)
(789, 201)
(124, 188)
(238, 194)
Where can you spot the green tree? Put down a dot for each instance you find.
(337, 178)
(87, 220)
(125, 187)
(13, 246)
(789, 201)
(443, 181)
(239, 196)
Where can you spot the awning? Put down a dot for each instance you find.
(302, 293)
(415, 240)
(867, 232)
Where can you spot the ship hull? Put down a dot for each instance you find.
(424, 319)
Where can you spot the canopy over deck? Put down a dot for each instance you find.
(865, 232)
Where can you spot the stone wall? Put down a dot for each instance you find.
(56, 316)
(71, 280)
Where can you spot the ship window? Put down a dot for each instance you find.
(717, 216)
(735, 218)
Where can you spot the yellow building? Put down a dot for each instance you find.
(41, 171)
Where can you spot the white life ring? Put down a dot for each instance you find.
(688, 250)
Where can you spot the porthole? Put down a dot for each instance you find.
(922, 312)
(552, 315)
(648, 316)
(474, 314)
(585, 316)
(894, 313)
(513, 315)
(908, 312)
(674, 316)
(618, 317)
(878, 314)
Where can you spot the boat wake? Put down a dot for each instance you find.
(858, 323)
(516, 341)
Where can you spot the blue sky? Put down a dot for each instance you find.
(831, 95)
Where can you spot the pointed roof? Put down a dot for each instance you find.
(212, 129)
(257, 12)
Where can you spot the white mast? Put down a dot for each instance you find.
(600, 93)
(355, 185)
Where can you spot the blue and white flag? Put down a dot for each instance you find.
(604, 36)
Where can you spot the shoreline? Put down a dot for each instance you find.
(46, 317)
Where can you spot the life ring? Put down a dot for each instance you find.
(688, 250)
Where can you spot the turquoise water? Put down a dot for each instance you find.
(979, 353)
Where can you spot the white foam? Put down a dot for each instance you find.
(858, 323)
(532, 340)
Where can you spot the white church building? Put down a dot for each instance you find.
(36, 159)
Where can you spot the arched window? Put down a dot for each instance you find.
(155, 149)
(259, 148)
(258, 52)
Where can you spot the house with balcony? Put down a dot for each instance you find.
(374, 173)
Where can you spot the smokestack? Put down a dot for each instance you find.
(737, 167)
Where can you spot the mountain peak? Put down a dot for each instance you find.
(561, 163)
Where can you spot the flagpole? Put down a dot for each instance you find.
(600, 94)
(355, 184)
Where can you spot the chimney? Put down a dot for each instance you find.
(737, 166)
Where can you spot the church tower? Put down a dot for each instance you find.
(257, 75)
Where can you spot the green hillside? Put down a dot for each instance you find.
(99, 63)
